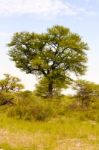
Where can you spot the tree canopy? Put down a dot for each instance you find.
(86, 91)
(10, 83)
(53, 55)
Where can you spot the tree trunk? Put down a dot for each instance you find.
(50, 89)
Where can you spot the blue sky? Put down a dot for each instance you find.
(80, 16)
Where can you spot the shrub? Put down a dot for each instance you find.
(6, 98)
(30, 107)
(86, 92)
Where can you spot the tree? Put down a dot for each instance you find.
(53, 55)
(86, 91)
(10, 83)
(43, 91)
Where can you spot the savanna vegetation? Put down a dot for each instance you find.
(45, 119)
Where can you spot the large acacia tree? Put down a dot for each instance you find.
(53, 55)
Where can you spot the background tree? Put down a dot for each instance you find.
(42, 88)
(53, 55)
(86, 91)
(10, 83)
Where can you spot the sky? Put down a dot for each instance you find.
(81, 16)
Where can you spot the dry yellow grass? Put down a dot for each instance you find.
(43, 141)
(61, 134)
(23, 139)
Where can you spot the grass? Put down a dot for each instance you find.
(68, 129)
(57, 134)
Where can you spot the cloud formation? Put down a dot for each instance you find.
(41, 7)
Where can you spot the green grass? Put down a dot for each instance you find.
(69, 128)
(57, 134)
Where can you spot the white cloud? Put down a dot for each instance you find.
(40, 7)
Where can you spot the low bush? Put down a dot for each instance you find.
(38, 111)
(6, 98)
(32, 107)
(25, 105)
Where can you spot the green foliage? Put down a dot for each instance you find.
(6, 98)
(53, 55)
(35, 108)
(39, 111)
(10, 83)
(8, 86)
(86, 91)
(42, 87)
(26, 106)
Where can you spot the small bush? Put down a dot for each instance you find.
(6, 98)
(38, 112)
